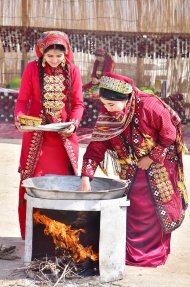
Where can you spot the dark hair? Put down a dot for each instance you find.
(113, 96)
(55, 47)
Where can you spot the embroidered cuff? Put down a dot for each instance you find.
(158, 153)
(89, 167)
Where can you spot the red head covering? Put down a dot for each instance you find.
(53, 37)
(99, 52)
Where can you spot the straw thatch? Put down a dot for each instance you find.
(162, 16)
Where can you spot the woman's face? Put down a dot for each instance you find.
(100, 59)
(54, 57)
(113, 106)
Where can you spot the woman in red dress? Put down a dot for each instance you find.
(143, 137)
(103, 63)
(51, 88)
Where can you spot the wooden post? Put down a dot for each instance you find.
(140, 61)
(24, 25)
(140, 72)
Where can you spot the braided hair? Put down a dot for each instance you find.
(68, 82)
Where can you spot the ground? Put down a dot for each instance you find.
(174, 273)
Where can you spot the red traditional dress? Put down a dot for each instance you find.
(48, 152)
(157, 196)
(99, 69)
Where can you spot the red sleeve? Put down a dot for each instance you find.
(77, 105)
(93, 156)
(158, 118)
(25, 91)
(109, 65)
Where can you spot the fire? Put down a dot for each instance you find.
(66, 238)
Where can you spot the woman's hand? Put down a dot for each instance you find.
(18, 125)
(95, 81)
(84, 184)
(144, 163)
(69, 131)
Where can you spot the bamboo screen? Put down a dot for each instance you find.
(162, 16)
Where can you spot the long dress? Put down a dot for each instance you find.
(48, 152)
(157, 196)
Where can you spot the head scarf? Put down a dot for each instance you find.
(52, 38)
(100, 52)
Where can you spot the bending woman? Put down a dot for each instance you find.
(143, 137)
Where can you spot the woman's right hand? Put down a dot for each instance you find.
(17, 124)
(84, 184)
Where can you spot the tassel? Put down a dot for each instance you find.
(104, 171)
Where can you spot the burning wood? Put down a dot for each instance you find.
(64, 237)
(51, 272)
(56, 272)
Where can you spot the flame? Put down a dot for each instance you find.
(66, 238)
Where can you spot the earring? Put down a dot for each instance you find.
(43, 63)
(63, 63)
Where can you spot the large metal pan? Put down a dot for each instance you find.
(64, 187)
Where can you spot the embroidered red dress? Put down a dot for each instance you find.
(48, 152)
(157, 196)
(99, 69)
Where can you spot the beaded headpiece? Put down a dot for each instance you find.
(115, 85)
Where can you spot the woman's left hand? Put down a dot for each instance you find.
(144, 163)
(69, 131)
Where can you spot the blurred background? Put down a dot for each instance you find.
(149, 41)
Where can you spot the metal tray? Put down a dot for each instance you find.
(48, 128)
(64, 187)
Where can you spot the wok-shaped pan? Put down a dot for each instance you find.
(64, 187)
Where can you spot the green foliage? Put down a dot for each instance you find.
(147, 90)
(14, 83)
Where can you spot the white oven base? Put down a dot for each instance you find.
(112, 243)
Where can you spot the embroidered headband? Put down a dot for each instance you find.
(115, 85)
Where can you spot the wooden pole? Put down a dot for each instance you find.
(24, 8)
(140, 61)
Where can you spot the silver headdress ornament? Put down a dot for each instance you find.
(115, 85)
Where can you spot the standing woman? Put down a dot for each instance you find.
(51, 88)
(143, 137)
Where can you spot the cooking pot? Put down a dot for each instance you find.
(64, 187)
